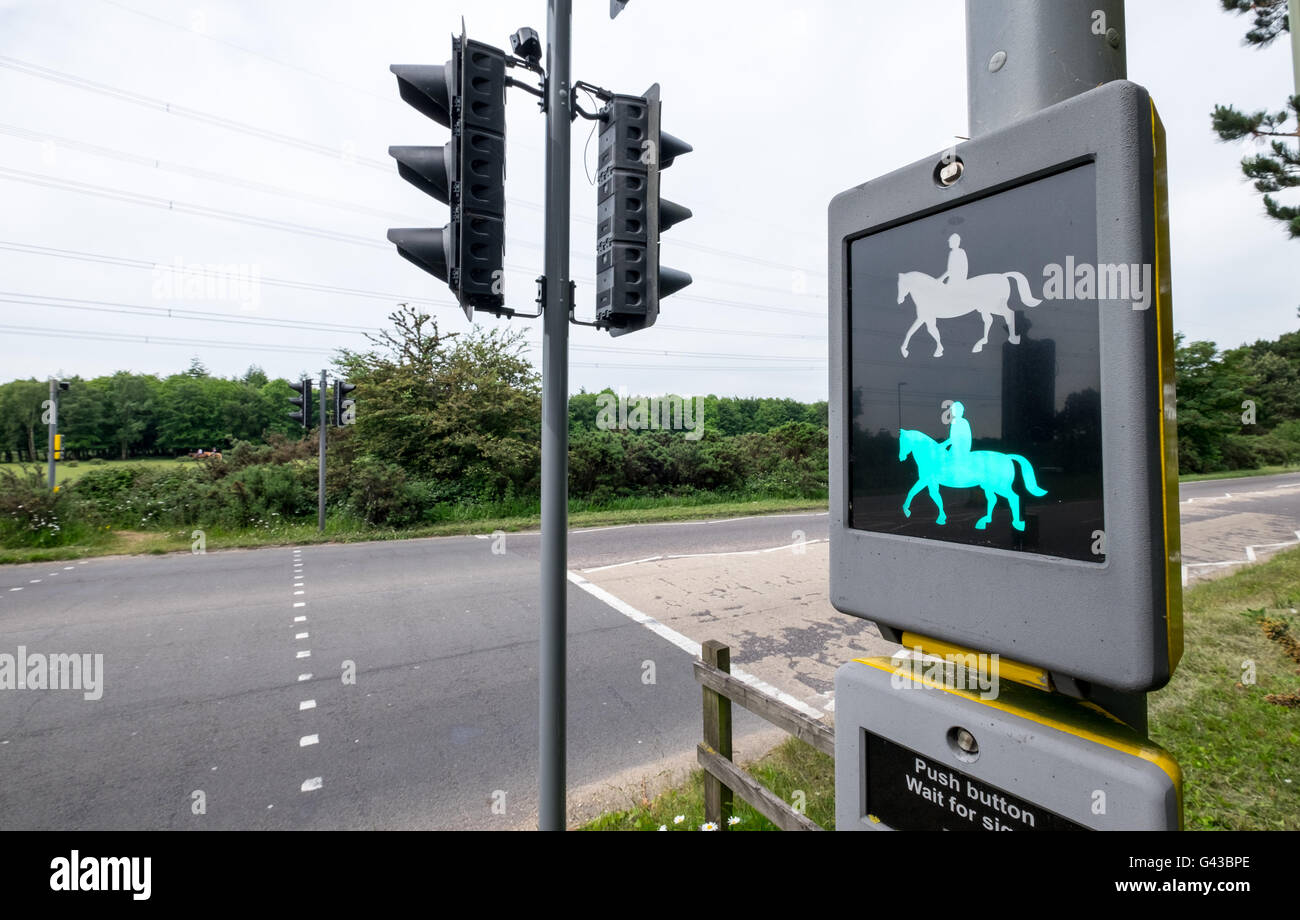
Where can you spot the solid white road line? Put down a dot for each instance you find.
(739, 552)
(686, 644)
(601, 568)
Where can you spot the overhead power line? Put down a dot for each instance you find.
(297, 349)
(230, 124)
(207, 316)
(24, 298)
(171, 108)
(314, 74)
(183, 207)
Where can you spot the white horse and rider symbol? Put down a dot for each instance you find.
(953, 294)
(952, 463)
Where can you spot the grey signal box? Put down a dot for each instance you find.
(1003, 458)
(916, 754)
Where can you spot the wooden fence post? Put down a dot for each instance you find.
(717, 735)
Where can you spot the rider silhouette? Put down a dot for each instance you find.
(958, 267)
(959, 436)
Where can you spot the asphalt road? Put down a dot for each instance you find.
(223, 709)
(204, 690)
(1231, 522)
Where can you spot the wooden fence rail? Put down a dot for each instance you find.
(722, 777)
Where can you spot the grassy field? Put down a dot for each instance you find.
(1239, 749)
(65, 473)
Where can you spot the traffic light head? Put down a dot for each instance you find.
(467, 94)
(345, 411)
(428, 88)
(630, 214)
(302, 402)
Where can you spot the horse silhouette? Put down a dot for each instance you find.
(992, 471)
(986, 294)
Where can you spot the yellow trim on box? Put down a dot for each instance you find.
(1025, 674)
(1168, 413)
(1034, 706)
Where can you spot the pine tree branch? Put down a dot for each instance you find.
(1270, 19)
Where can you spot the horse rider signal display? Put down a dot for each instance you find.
(1012, 488)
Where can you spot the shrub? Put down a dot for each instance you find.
(32, 515)
(381, 494)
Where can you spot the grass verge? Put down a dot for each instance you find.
(792, 770)
(1240, 752)
(1238, 474)
(340, 529)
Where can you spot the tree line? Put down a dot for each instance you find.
(465, 411)
(132, 415)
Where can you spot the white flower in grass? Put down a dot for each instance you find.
(679, 819)
(733, 820)
(663, 827)
(708, 826)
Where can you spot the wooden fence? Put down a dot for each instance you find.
(722, 777)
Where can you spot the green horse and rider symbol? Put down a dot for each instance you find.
(954, 465)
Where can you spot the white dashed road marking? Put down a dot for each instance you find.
(306, 704)
(307, 740)
(311, 785)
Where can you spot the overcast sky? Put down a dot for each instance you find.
(138, 132)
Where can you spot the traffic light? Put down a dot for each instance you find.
(630, 214)
(468, 95)
(303, 401)
(345, 410)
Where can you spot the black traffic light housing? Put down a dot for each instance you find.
(302, 414)
(345, 412)
(467, 94)
(630, 214)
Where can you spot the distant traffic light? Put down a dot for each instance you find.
(345, 410)
(302, 414)
(468, 95)
(630, 214)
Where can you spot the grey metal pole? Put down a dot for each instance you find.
(1293, 13)
(324, 426)
(54, 424)
(555, 425)
(1024, 55)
